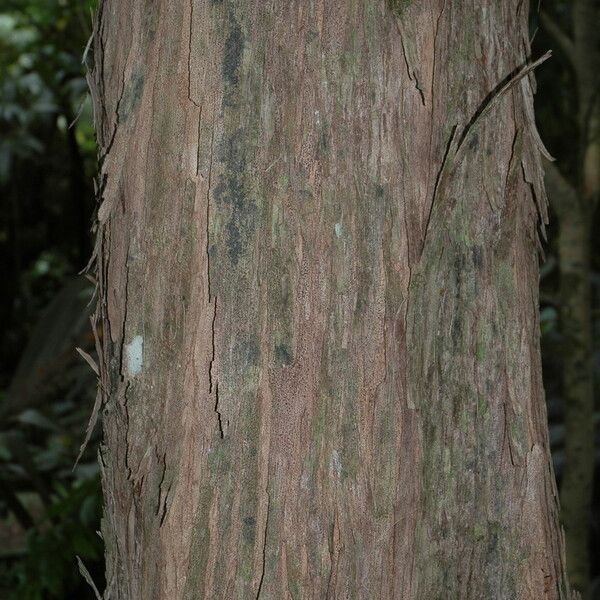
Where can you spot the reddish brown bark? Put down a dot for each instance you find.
(318, 282)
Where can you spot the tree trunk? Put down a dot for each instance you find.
(576, 486)
(317, 264)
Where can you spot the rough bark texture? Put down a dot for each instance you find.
(317, 263)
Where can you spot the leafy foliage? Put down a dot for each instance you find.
(46, 166)
(50, 513)
(67, 530)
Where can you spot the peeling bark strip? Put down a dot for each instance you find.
(320, 361)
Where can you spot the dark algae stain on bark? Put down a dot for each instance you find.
(232, 55)
(233, 191)
(323, 234)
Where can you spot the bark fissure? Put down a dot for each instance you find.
(107, 147)
(412, 74)
(161, 459)
(496, 94)
(163, 515)
(264, 547)
(218, 412)
(189, 64)
(449, 155)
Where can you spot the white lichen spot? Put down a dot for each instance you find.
(134, 353)
(338, 229)
(305, 481)
(335, 464)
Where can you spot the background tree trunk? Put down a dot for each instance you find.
(317, 264)
(575, 206)
(576, 323)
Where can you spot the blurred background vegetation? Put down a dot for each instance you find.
(50, 512)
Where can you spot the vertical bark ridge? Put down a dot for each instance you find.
(473, 333)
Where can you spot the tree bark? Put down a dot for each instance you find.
(317, 266)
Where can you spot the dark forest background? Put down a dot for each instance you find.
(50, 512)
